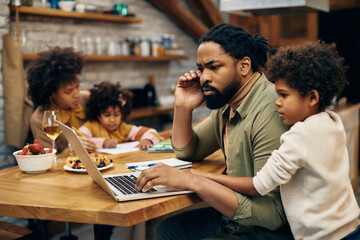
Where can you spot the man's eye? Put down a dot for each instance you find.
(200, 69)
(283, 95)
(214, 67)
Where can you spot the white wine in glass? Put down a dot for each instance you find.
(50, 126)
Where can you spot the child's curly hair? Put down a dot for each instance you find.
(51, 69)
(313, 65)
(106, 94)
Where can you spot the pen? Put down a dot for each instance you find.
(81, 134)
(147, 165)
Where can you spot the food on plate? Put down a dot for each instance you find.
(100, 161)
(36, 148)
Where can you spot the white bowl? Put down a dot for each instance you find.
(35, 163)
(66, 5)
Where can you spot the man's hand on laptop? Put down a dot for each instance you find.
(162, 174)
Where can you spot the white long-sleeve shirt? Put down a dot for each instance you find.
(312, 168)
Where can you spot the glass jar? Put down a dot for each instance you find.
(26, 2)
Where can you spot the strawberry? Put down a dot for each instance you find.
(36, 148)
(48, 151)
(25, 150)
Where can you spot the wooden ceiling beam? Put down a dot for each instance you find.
(183, 17)
(207, 11)
(343, 4)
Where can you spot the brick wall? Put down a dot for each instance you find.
(6, 157)
(40, 32)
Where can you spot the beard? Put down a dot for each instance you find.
(219, 99)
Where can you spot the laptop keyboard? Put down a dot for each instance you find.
(126, 184)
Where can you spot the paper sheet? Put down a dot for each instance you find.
(121, 148)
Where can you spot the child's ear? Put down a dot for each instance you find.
(313, 97)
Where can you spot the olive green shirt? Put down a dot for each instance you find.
(255, 131)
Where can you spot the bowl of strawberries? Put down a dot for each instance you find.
(34, 158)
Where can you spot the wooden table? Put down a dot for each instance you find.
(65, 196)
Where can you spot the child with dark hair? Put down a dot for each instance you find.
(107, 109)
(312, 164)
(54, 85)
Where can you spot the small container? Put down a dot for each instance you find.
(145, 47)
(26, 2)
(131, 44)
(66, 5)
(16, 2)
(120, 9)
(124, 10)
(54, 4)
(161, 51)
(155, 47)
(35, 163)
(124, 48)
(137, 47)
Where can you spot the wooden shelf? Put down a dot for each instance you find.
(48, 12)
(150, 111)
(108, 58)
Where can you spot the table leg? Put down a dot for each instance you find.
(68, 235)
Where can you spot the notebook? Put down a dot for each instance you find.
(119, 186)
(174, 162)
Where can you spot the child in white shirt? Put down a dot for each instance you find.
(312, 164)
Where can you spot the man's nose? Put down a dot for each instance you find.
(205, 77)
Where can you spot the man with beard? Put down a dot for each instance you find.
(244, 125)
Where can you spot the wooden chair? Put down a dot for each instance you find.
(10, 231)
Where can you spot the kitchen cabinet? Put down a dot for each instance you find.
(281, 30)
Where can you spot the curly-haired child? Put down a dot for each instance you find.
(107, 109)
(54, 85)
(312, 164)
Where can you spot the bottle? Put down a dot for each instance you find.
(124, 47)
(145, 47)
(26, 2)
(150, 92)
(154, 47)
(137, 47)
(131, 44)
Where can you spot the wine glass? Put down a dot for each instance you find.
(50, 126)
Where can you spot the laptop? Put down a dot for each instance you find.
(120, 187)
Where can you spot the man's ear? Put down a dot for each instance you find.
(313, 97)
(244, 66)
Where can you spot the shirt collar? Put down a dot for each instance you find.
(236, 102)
